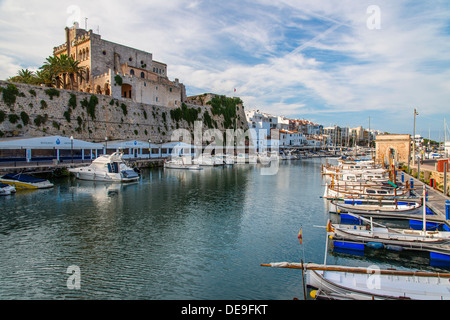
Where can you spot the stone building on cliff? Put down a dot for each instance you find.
(119, 71)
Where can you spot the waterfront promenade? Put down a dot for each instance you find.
(50, 166)
(436, 199)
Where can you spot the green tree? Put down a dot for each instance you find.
(24, 76)
(74, 70)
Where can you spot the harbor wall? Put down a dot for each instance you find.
(35, 111)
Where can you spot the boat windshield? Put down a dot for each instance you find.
(113, 167)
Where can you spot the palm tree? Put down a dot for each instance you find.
(52, 69)
(44, 77)
(24, 76)
(74, 70)
(58, 68)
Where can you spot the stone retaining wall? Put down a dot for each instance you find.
(71, 113)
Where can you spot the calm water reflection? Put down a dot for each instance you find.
(173, 235)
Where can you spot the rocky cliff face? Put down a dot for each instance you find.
(35, 111)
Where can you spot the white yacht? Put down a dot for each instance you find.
(179, 163)
(208, 160)
(107, 168)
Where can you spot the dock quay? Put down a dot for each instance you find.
(436, 199)
(50, 166)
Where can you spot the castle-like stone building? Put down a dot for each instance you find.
(119, 71)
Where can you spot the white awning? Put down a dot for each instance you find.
(130, 144)
(52, 142)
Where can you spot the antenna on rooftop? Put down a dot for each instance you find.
(85, 23)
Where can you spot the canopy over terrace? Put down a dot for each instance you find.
(146, 149)
(131, 148)
(56, 143)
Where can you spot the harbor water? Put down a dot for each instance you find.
(173, 235)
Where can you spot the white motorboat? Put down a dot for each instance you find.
(208, 160)
(179, 163)
(107, 168)
(25, 181)
(266, 157)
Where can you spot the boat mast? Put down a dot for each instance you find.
(424, 211)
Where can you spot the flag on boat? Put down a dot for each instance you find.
(329, 227)
(300, 236)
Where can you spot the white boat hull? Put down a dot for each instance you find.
(102, 176)
(374, 208)
(364, 286)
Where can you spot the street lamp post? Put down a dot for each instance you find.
(71, 147)
(414, 138)
(106, 145)
(149, 149)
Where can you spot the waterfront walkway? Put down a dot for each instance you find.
(436, 199)
(49, 166)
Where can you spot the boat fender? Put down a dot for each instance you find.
(313, 294)
(375, 245)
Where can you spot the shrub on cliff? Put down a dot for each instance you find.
(13, 118)
(52, 92)
(222, 105)
(25, 118)
(90, 105)
(9, 94)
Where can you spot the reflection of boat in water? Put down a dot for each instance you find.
(107, 168)
(25, 181)
(101, 190)
(6, 189)
(178, 163)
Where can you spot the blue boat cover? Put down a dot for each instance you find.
(22, 177)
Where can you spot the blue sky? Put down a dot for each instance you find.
(332, 62)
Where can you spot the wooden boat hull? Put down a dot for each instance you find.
(359, 283)
(357, 286)
(374, 208)
(408, 239)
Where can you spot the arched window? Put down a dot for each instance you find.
(87, 74)
(87, 53)
(142, 75)
(84, 54)
(132, 72)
